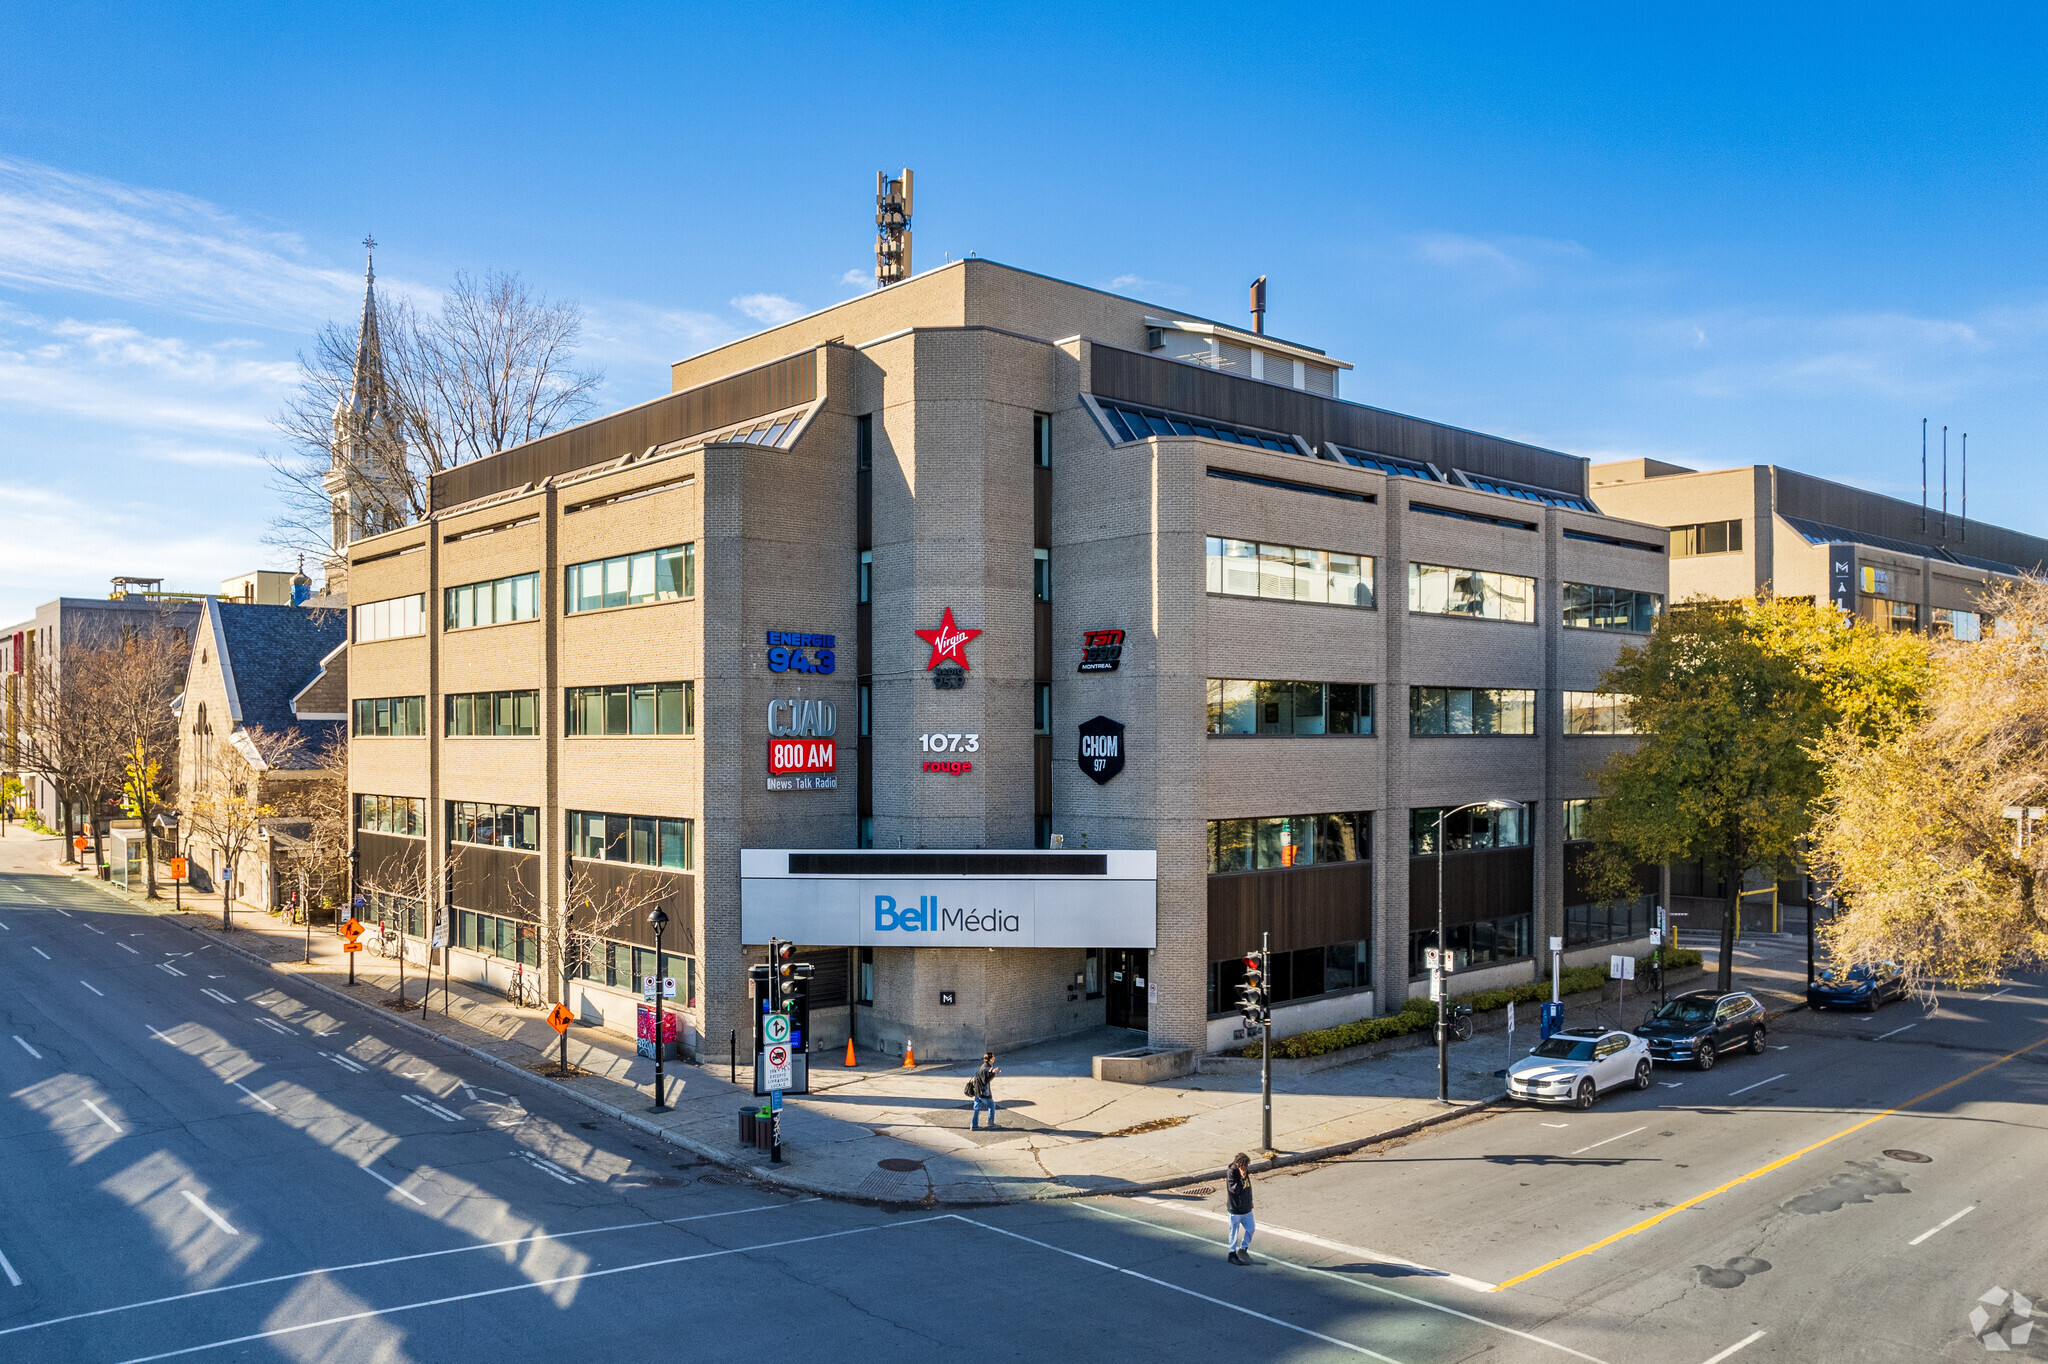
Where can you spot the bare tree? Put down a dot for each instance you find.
(317, 802)
(128, 681)
(59, 738)
(493, 368)
(227, 810)
(573, 931)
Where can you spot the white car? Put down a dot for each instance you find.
(1575, 1067)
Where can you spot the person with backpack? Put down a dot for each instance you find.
(978, 1089)
(1237, 1197)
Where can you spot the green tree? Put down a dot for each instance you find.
(1731, 700)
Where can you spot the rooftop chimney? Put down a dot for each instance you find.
(1259, 305)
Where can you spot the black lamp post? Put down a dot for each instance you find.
(1442, 973)
(659, 918)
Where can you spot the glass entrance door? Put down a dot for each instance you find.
(1126, 988)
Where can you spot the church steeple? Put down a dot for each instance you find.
(366, 466)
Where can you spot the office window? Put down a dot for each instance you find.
(393, 618)
(864, 582)
(632, 579)
(1609, 608)
(1964, 625)
(1707, 537)
(1434, 590)
(631, 708)
(1243, 568)
(1275, 841)
(1245, 706)
(496, 826)
(1303, 974)
(1578, 817)
(392, 815)
(1041, 439)
(491, 714)
(1468, 830)
(864, 695)
(1041, 574)
(864, 441)
(646, 840)
(1596, 712)
(1485, 943)
(389, 717)
(1615, 921)
(1903, 615)
(492, 603)
(1041, 709)
(864, 977)
(1436, 711)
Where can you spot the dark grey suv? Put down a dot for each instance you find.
(1699, 1027)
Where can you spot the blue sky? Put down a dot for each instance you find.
(1778, 233)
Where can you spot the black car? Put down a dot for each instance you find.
(1858, 987)
(1699, 1027)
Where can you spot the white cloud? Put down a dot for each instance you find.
(59, 546)
(626, 338)
(110, 371)
(857, 279)
(769, 309)
(79, 233)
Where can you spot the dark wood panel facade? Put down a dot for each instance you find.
(757, 392)
(1041, 640)
(391, 862)
(500, 881)
(624, 878)
(1202, 392)
(1300, 907)
(1477, 885)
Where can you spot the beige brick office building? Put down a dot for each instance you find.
(1024, 652)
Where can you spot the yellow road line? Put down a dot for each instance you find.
(1761, 1170)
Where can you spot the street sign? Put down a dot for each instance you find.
(1436, 985)
(1621, 968)
(668, 987)
(775, 1073)
(177, 869)
(775, 1029)
(1557, 944)
(559, 1018)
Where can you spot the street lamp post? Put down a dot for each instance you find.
(1443, 993)
(659, 918)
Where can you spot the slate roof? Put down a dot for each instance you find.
(273, 652)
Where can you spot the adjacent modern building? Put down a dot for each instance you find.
(1026, 653)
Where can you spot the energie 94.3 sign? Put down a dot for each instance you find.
(792, 652)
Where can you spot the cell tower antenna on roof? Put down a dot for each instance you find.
(892, 228)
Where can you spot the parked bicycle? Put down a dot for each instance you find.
(1461, 1022)
(523, 989)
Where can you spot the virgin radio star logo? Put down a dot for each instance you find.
(949, 642)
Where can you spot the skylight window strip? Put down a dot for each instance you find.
(1139, 423)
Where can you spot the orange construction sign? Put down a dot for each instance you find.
(560, 1017)
(177, 869)
(79, 843)
(351, 929)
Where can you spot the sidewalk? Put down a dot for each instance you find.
(878, 1132)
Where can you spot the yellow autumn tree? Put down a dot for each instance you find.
(1913, 830)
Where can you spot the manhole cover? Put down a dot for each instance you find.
(1911, 1157)
(900, 1165)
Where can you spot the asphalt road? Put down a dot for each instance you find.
(205, 1161)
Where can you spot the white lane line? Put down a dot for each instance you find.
(90, 929)
(12, 1277)
(212, 993)
(1896, 1031)
(1557, 1124)
(1750, 1339)
(66, 915)
(254, 1095)
(27, 1048)
(161, 1037)
(1931, 1230)
(404, 1259)
(381, 1180)
(1356, 1252)
(166, 966)
(1776, 1047)
(196, 1201)
(1366, 1284)
(39, 952)
(346, 1064)
(1672, 1084)
(549, 1168)
(102, 1116)
(1617, 1137)
(8, 926)
(534, 1284)
(1758, 1085)
(2006, 991)
(267, 1021)
(1162, 1283)
(94, 988)
(432, 1108)
(126, 948)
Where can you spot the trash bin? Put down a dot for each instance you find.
(764, 1129)
(747, 1126)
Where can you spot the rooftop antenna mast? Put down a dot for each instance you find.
(892, 228)
(1259, 306)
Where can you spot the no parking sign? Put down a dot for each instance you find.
(775, 1068)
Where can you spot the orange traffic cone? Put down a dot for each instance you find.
(849, 1051)
(909, 1055)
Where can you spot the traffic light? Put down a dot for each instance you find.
(1251, 995)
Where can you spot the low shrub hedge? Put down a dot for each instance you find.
(1419, 1014)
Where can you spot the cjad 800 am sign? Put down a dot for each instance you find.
(802, 754)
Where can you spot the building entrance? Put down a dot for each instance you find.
(1127, 987)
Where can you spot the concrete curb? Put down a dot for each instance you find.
(784, 1182)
